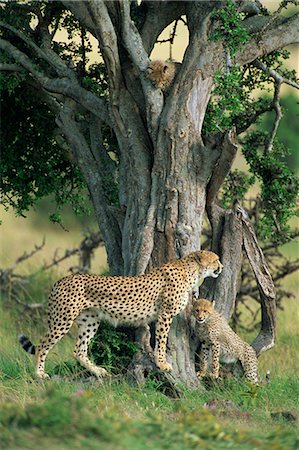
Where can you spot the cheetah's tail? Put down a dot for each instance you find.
(27, 344)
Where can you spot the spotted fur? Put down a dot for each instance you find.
(134, 301)
(216, 335)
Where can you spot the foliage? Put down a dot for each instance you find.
(234, 104)
(113, 348)
(38, 162)
(34, 165)
(229, 27)
(287, 132)
(279, 186)
(235, 187)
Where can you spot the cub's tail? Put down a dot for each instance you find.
(27, 344)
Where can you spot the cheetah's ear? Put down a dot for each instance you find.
(194, 300)
(197, 256)
(212, 303)
(165, 68)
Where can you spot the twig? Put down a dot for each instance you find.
(26, 255)
(274, 74)
(28, 305)
(276, 13)
(278, 117)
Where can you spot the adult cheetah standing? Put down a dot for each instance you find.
(135, 301)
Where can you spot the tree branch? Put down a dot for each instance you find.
(90, 170)
(138, 55)
(132, 38)
(158, 18)
(245, 120)
(81, 12)
(275, 75)
(280, 34)
(223, 166)
(107, 38)
(52, 58)
(69, 88)
(266, 337)
(278, 117)
(11, 68)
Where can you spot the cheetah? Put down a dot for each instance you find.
(215, 334)
(122, 300)
(162, 74)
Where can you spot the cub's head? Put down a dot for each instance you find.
(161, 73)
(209, 263)
(202, 309)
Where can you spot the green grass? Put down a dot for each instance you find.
(61, 414)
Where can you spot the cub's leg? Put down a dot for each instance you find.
(250, 364)
(215, 358)
(204, 358)
(143, 337)
(162, 330)
(88, 324)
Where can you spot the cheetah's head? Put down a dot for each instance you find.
(209, 263)
(202, 309)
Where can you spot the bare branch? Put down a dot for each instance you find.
(266, 337)
(30, 306)
(276, 14)
(246, 119)
(134, 46)
(11, 68)
(81, 12)
(223, 165)
(275, 75)
(278, 117)
(107, 38)
(157, 19)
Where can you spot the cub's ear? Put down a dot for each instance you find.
(195, 301)
(165, 68)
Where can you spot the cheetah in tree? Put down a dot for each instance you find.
(162, 74)
(226, 346)
(131, 300)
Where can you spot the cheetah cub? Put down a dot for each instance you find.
(215, 334)
(162, 73)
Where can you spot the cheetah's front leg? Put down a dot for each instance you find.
(162, 330)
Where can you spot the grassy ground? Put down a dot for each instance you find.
(60, 414)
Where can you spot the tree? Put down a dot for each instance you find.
(154, 162)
